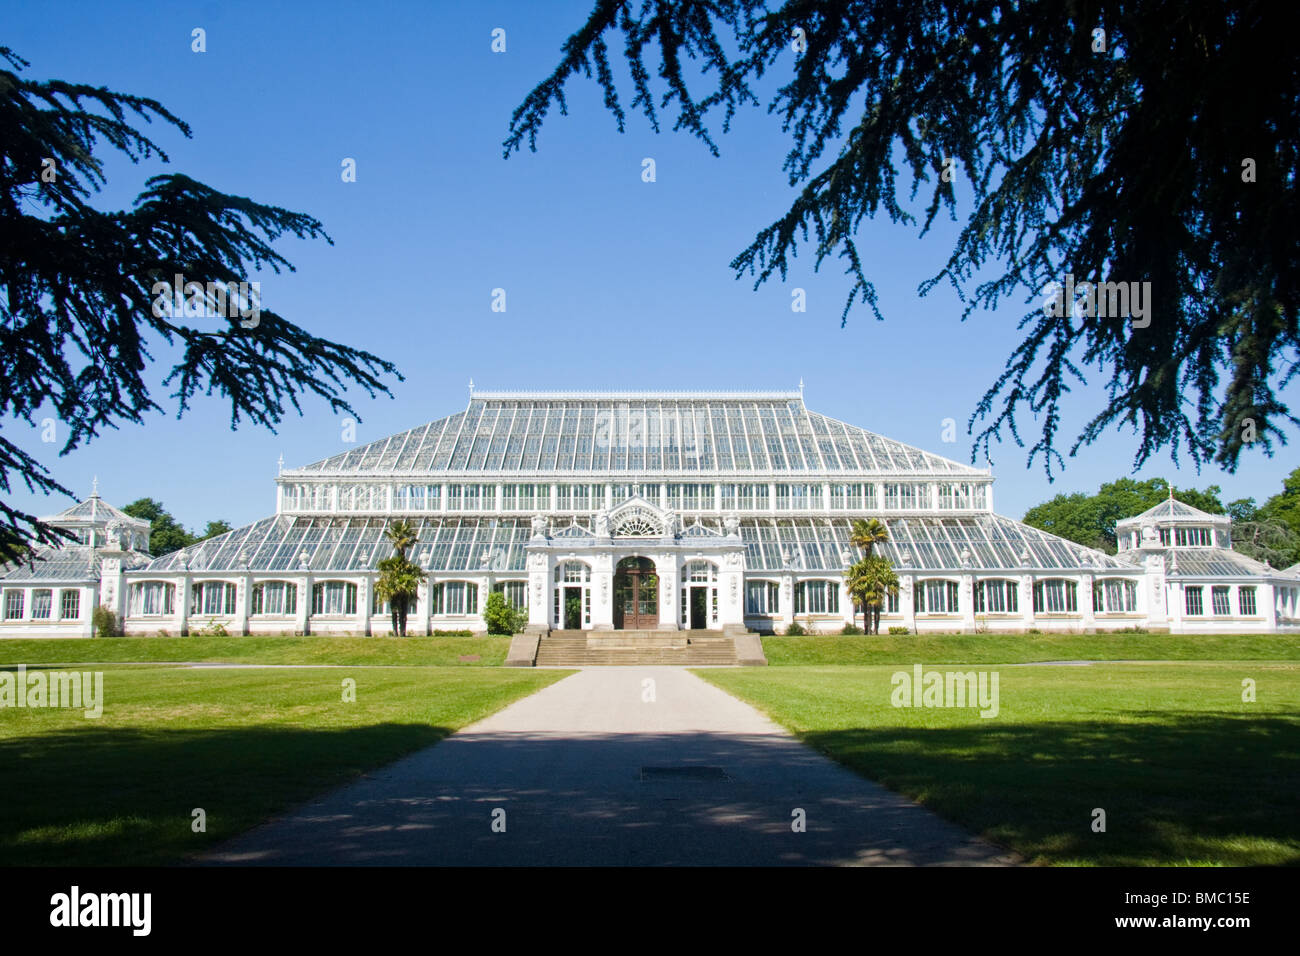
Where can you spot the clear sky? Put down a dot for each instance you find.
(611, 282)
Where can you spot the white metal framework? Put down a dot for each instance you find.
(741, 503)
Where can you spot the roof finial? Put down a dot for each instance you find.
(94, 487)
(279, 465)
(471, 388)
(801, 386)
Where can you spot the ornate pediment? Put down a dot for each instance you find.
(698, 530)
(638, 518)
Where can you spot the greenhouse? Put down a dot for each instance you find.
(650, 511)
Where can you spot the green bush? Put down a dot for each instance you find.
(453, 634)
(502, 617)
(214, 629)
(851, 629)
(897, 629)
(794, 630)
(104, 623)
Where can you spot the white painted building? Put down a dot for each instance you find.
(55, 594)
(641, 510)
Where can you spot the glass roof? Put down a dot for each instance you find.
(1215, 562)
(1172, 508)
(73, 563)
(986, 543)
(625, 433)
(96, 509)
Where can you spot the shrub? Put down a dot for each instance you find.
(214, 629)
(1033, 630)
(896, 629)
(453, 634)
(851, 629)
(794, 630)
(502, 617)
(104, 623)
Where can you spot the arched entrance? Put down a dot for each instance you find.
(636, 594)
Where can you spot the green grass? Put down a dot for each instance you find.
(241, 744)
(1015, 648)
(1186, 772)
(398, 651)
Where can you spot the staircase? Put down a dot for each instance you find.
(612, 648)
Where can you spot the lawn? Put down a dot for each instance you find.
(242, 744)
(1012, 648)
(1186, 772)
(396, 651)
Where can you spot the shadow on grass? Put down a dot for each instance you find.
(1175, 786)
(126, 796)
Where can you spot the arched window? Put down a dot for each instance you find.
(817, 597)
(516, 593)
(572, 572)
(212, 597)
(997, 596)
(762, 597)
(275, 597)
(1056, 596)
(454, 598)
(699, 572)
(152, 597)
(334, 597)
(1114, 596)
(937, 596)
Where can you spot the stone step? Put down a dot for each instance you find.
(565, 648)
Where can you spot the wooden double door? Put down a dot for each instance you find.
(636, 595)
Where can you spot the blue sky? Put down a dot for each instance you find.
(611, 282)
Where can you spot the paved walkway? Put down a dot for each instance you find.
(590, 774)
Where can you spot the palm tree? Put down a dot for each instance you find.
(402, 535)
(867, 533)
(399, 579)
(869, 582)
(859, 585)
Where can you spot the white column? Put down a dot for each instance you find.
(540, 594)
(243, 603)
(1086, 608)
(670, 605)
(602, 593)
(302, 616)
(968, 602)
(182, 606)
(1027, 599)
(363, 605)
(907, 600)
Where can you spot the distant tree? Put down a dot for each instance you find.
(1284, 507)
(165, 533)
(214, 529)
(1243, 509)
(80, 287)
(1043, 119)
(1266, 540)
